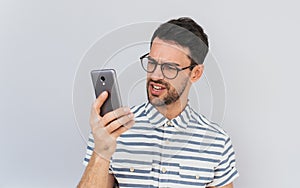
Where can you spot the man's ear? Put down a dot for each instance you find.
(196, 73)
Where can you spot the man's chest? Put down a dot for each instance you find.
(164, 157)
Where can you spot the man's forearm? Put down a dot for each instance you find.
(96, 174)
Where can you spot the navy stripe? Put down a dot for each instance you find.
(153, 116)
(196, 169)
(193, 177)
(135, 185)
(159, 121)
(164, 163)
(209, 123)
(131, 161)
(227, 141)
(178, 124)
(180, 116)
(183, 182)
(227, 150)
(225, 168)
(90, 148)
(202, 128)
(149, 109)
(136, 170)
(174, 148)
(186, 113)
(200, 118)
(139, 108)
(195, 120)
(214, 127)
(140, 121)
(155, 179)
(168, 155)
(91, 140)
(224, 174)
(225, 161)
(166, 131)
(226, 181)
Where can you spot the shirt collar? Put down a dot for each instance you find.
(157, 119)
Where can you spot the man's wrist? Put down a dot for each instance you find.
(100, 158)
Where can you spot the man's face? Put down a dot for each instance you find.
(163, 91)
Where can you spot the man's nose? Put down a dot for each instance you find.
(157, 74)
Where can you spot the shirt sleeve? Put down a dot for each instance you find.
(226, 171)
(90, 150)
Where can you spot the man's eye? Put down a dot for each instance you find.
(151, 62)
(170, 67)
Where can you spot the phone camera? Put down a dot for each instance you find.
(102, 78)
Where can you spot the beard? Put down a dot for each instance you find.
(172, 95)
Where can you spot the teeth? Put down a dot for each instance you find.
(156, 87)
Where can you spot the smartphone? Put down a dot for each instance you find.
(106, 80)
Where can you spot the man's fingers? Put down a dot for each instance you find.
(111, 116)
(122, 129)
(95, 109)
(119, 122)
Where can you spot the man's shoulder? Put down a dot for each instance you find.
(203, 122)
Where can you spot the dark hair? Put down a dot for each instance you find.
(186, 33)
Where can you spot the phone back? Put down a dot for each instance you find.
(106, 80)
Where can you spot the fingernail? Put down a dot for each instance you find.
(103, 93)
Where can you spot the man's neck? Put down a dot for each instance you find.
(172, 110)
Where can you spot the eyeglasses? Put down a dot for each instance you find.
(169, 70)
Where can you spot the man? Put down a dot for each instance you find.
(164, 142)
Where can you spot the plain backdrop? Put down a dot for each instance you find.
(256, 44)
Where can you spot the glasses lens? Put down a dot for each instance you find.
(169, 71)
(148, 65)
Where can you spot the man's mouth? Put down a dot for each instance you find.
(156, 89)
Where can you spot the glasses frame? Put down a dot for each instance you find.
(193, 64)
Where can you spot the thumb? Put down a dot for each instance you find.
(100, 100)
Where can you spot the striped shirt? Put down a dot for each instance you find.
(187, 151)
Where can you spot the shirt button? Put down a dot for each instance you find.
(169, 123)
(131, 169)
(197, 176)
(164, 170)
(167, 142)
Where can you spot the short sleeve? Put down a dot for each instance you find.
(90, 150)
(226, 171)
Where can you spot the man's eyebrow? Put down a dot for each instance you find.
(151, 58)
(172, 63)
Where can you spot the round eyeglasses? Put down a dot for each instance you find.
(169, 70)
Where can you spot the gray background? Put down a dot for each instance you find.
(42, 43)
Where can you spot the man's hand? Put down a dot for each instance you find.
(108, 128)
